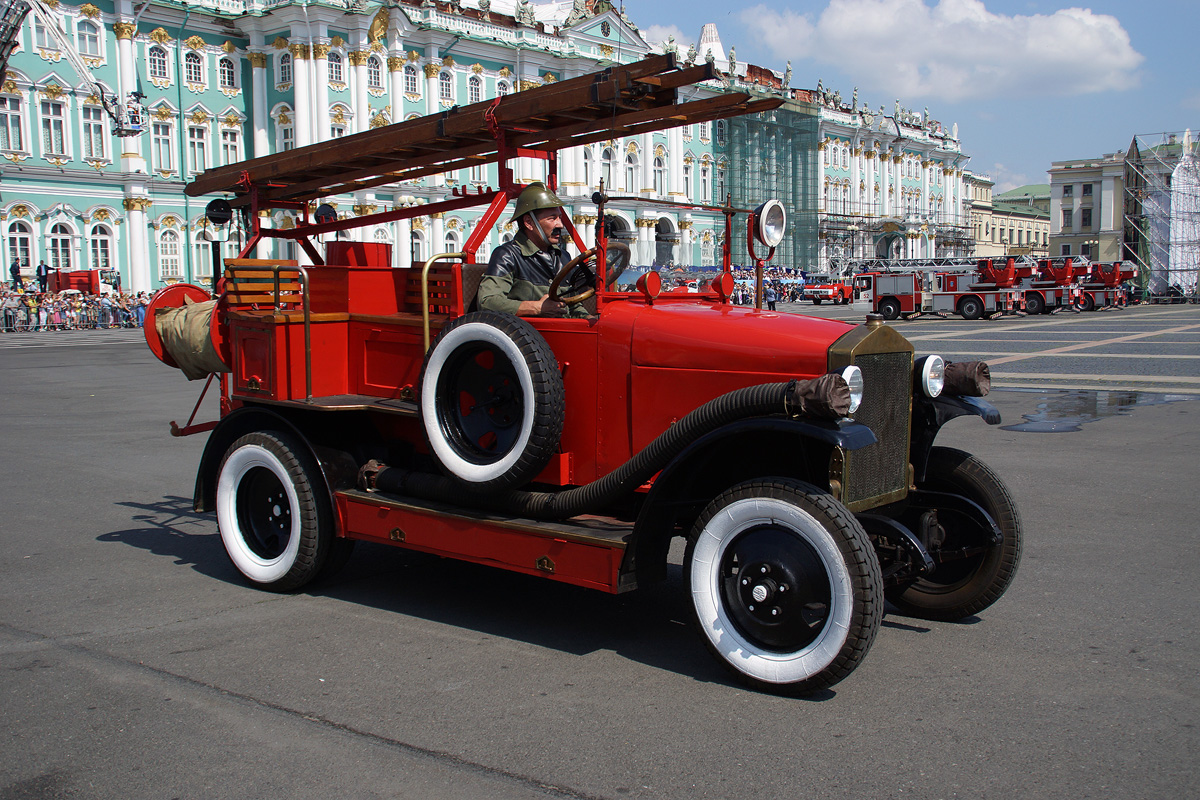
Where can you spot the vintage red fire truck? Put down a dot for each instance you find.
(795, 456)
(826, 289)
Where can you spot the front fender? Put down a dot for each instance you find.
(931, 413)
(744, 450)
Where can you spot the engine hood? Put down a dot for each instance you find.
(703, 336)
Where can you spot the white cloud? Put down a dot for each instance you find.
(656, 36)
(956, 49)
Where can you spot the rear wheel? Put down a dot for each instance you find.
(816, 301)
(889, 308)
(784, 585)
(1086, 303)
(1034, 303)
(274, 513)
(970, 308)
(967, 584)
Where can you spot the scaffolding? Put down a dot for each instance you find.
(1162, 214)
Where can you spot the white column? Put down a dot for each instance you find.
(437, 234)
(577, 157)
(131, 146)
(358, 72)
(139, 250)
(320, 112)
(302, 94)
(646, 165)
(675, 162)
(395, 65)
(258, 87)
(432, 70)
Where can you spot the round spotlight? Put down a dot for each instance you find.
(932, 375)
(854, 379)
(770, 223)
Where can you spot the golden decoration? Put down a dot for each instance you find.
(52, 4)
(477, 68)
(364, 209)
(418, 224)
(280, 43)
(257, 60)
(10, 86)
(413, 55)
(395, 63)
(549, 78)
(53, 91)
(169, 222)
(100, 215)
(320, 50)
(432, 70)
(448, 61)
(124, 30)
(231, 120)
(357, 58)
(338, 118)
(505, 72)
(437, 215)
(375, 47)
(195, 43)
(632, 149)
(337, 41)
(89, 11)
(286, 224)
(93, 99)
(379, 25)
(283, 118)
(20, 211)
(163, 113)
(660, 151)
(299, 52)
(198, 117)
(606, 50)
(160, 35)
(525, 85)
(379, 121)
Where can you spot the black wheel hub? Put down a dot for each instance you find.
(775, 588)
(264, 513)
(480, 405)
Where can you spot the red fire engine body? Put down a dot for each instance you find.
(825, 289)
(794, 455)
(88, 281)
(912, 293)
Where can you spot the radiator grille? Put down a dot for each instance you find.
(881, 468)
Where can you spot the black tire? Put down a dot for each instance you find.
(1034, 303)
(785, 588)
(503, 368)
(959, 589)
(274, 513)
(816, 301)
(846, 301)
(1086, 303)
(889, 308)
(970, 308)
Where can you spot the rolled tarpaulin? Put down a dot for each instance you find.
(186, 334)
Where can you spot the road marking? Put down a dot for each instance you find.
(1086, 345)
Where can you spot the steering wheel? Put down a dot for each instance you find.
(624, 256)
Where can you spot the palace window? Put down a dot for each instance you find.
(687, 181)
(474, 89)
(445, 86)
(100, 246)
(93, 132)
(198, 148)
(1085, 216)
(501, 88)
(608, 160)
(19, 243)
(231, 147)
(720, 131)
(168, 256)
(285, 68)
(160, 146)
(41, 36)
(410, 79)
(704, 131)
(335, 68)
(87, 36)
(660, 175)
(60, 247)
(53, 132)
(287, 137)
(10, 123)
(374, 73)
(193, 68)
(705, 183)
(631, 170)
(589, 166)
(226, 73)
(158, 63)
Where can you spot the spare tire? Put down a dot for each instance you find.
(492, 400)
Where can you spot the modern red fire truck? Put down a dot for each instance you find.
(360, 402)
(943, 287)
(1103, 286)
(826, 289)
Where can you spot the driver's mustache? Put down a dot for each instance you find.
(559, 232)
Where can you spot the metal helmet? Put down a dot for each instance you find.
(535, 197)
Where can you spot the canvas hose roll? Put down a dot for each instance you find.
(186, 334)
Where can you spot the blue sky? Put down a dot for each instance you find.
(1027, 81)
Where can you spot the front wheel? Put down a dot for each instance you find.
(784, 585)
(274, 513)
(970, 578)
(1034, 303)
(970, 308)
(889, 308)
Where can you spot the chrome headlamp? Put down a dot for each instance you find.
(930, 375)
(854, 379)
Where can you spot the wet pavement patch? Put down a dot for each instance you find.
(1066, 411)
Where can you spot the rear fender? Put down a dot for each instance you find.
(338, 468)
(741, 451)
(931, 413)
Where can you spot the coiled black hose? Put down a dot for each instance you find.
(826, 397)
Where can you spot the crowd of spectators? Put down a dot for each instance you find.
(71, 310)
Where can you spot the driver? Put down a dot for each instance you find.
(519, 272)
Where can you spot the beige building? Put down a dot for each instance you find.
(1013, 223)
(1086, 207)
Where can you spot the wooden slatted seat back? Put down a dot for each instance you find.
(445, 289)
(261, 284)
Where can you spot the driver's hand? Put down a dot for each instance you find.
(543, 307)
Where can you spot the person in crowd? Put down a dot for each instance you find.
(519, 273)
(11, 306)
(14, 272)
(770, 296)
(43, 276)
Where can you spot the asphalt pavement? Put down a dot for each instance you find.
(137, 664)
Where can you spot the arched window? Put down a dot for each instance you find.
(631, 170)
(846, 157)
(100, 247)
(411, 84)
(193, 68)
(335, 68)
(660, 175)
(704, 130)
(501, 88)
(226, 73)
(60, 247)
(417, 244)
(374, 73)
(158, 62)
(452, 242)
(19, 239)
(705, 183)
(445, 86)
(687, 181)
(589, 166)
(88, 37)
(608, 160)
(168, 256)
(720, 131)
(474, 89)
(285, 68)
